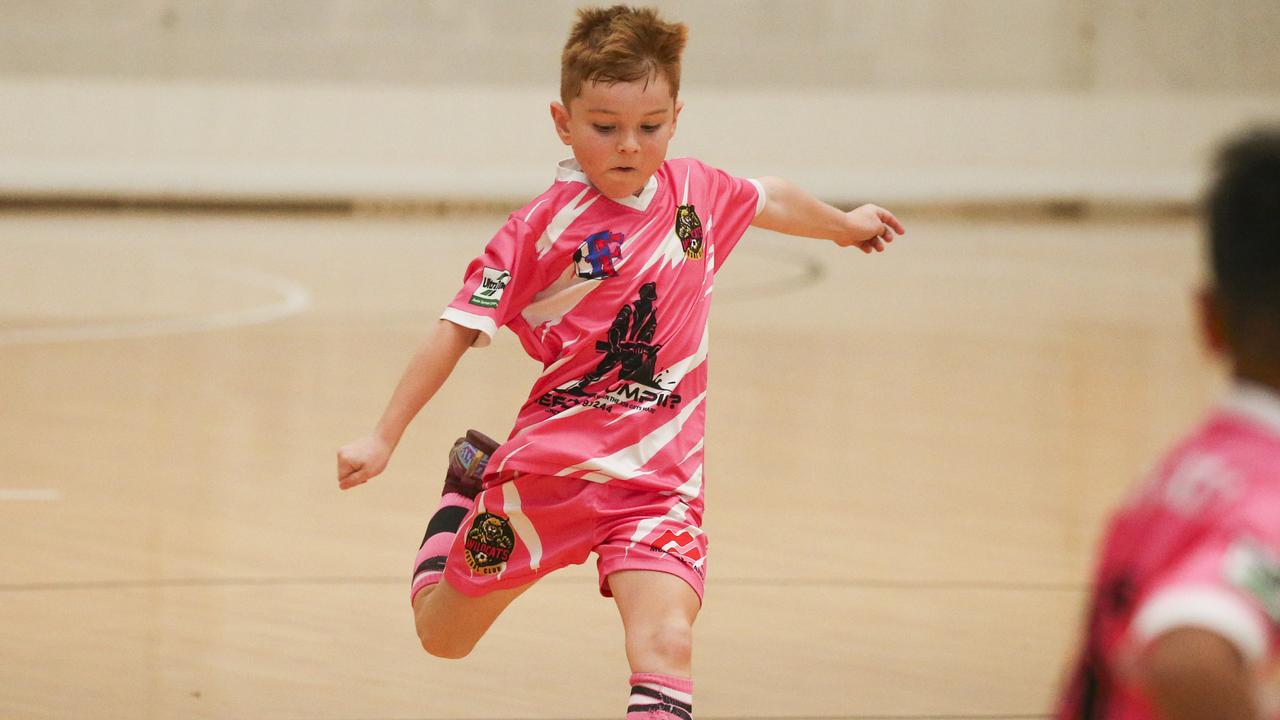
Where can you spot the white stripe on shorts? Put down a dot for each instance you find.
(520, 521)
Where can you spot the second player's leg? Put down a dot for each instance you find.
(450, 623)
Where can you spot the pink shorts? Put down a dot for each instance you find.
(528, 526)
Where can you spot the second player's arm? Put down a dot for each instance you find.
(1195, 674)
(431, 365)
(790, 209)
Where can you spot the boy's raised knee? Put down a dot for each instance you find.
(444, 647)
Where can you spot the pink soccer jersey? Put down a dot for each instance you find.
(612, 297)
(1198, 545)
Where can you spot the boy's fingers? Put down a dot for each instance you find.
(888, 219)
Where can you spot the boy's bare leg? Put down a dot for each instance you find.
(658, 610)
(450, 623)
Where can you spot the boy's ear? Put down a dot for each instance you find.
(1212, 328)
(676, 117)
(560, 116)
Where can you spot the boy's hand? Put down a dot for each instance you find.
(870, 228)
(361, 460)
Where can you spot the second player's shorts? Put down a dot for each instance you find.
(529, 525)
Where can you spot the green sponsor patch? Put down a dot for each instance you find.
(492, 283)
(1256, 571)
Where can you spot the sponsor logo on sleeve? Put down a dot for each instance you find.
(492, 283)
(1255, 571)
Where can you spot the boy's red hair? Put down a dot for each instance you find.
(620, 44)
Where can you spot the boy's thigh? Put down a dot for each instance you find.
(647, 597)
(519, 531)
(453, 618)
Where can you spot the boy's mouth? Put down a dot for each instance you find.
(624, 169)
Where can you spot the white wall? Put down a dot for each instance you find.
(888, 99)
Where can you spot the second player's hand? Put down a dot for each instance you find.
(361, 460)
(870, 228)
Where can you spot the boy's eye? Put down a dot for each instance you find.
(603, 128)
(650, 128)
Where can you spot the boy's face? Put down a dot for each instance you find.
(619, 132)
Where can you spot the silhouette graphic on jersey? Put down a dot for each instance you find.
(629, 344)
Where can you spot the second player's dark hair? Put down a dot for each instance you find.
(1244, 239)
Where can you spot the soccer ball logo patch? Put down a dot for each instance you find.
(597, 258)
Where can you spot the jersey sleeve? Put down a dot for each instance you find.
(1228, 584)
(735, 203)
(498, 284)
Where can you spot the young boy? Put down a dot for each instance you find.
(1185, 616)
(607, 279)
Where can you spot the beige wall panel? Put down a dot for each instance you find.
(1160, 46)
(240, 141)
(913, 99)
(886, 45)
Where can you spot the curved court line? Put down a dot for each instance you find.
(294, 298)
(809, 271)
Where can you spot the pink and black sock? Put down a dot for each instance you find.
(429, 564)
(660, 697)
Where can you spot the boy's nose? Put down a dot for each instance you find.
(628, 144)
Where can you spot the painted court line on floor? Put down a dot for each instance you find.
(294, 298)
(34, 495)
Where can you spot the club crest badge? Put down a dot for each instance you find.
(489, 544)
(597, 258)
(689, 230)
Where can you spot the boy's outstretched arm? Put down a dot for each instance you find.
(427, 371)
(789, 209)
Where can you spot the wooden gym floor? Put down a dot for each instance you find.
(910, 458)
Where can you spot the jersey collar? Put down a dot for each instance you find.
(570, 171)
(1254, 402)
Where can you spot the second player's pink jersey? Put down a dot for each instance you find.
(1198, 545)
(612, 297)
